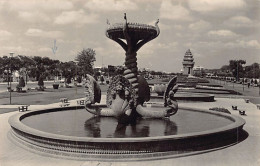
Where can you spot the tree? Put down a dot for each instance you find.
(27, 65)
(8, 65)
(237, 68)
(41, 83)
(225, 68)
(2, 67)
(68, 69)
(85, 59)
(252, 71)
(40, 69)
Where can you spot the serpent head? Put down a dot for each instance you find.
(120, 95)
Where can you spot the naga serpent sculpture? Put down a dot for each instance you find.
(123, 98)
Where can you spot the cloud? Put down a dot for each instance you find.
(110, 5)
(170, 45)
(222, 33)
(161, 25)
(76, 17)
(5, 34)
(149, 49)
(45, 49)
(215, 5)
(174, 12)
(28, 5)
(33, 16)
(253, 43)
(44, 34)
(244, 44)
(200, 25)
(239, 21)
(16, 49)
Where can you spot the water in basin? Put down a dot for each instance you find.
(80, 123)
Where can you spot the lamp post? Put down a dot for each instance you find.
(237, 74)
(243, 79)
(10, 68)
(76, 62)
(233, 82)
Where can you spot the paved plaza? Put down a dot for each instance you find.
(252, 93)
(244, 153)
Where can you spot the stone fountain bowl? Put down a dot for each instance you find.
(136, 30)
(127, 148)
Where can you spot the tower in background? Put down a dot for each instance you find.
(188, 63)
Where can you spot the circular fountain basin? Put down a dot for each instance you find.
(74, 133)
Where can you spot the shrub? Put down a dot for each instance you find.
(55, 86)
(20, 85)
(68, 80)
(102, 79)
(40, 81)
(79, 79)
(21, 82)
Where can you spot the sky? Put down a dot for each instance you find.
(215, 31)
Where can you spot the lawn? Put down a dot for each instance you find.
(34, 97)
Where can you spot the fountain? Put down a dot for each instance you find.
(123, 98)
(127, 127)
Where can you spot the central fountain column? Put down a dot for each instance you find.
(131, 71)
(134, 41)
(123, 98)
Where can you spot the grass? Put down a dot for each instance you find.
(49, 96)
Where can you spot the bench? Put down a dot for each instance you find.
(242, 112)
(23, 108)
(234, 107)
(64, 102)
(247, 100)
(81, 102)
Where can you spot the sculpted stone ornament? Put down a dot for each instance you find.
(123, 98)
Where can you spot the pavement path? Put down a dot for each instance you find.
(251, 93)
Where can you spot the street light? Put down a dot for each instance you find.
(243, 79)
(10, 68)
(237, 73)
(76, 62)
(243, 73)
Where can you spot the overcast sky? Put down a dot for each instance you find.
(215, 31)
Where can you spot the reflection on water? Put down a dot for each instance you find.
(81, 123)
(109, 127)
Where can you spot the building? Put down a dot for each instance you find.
(198, 70)
(188, 63)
